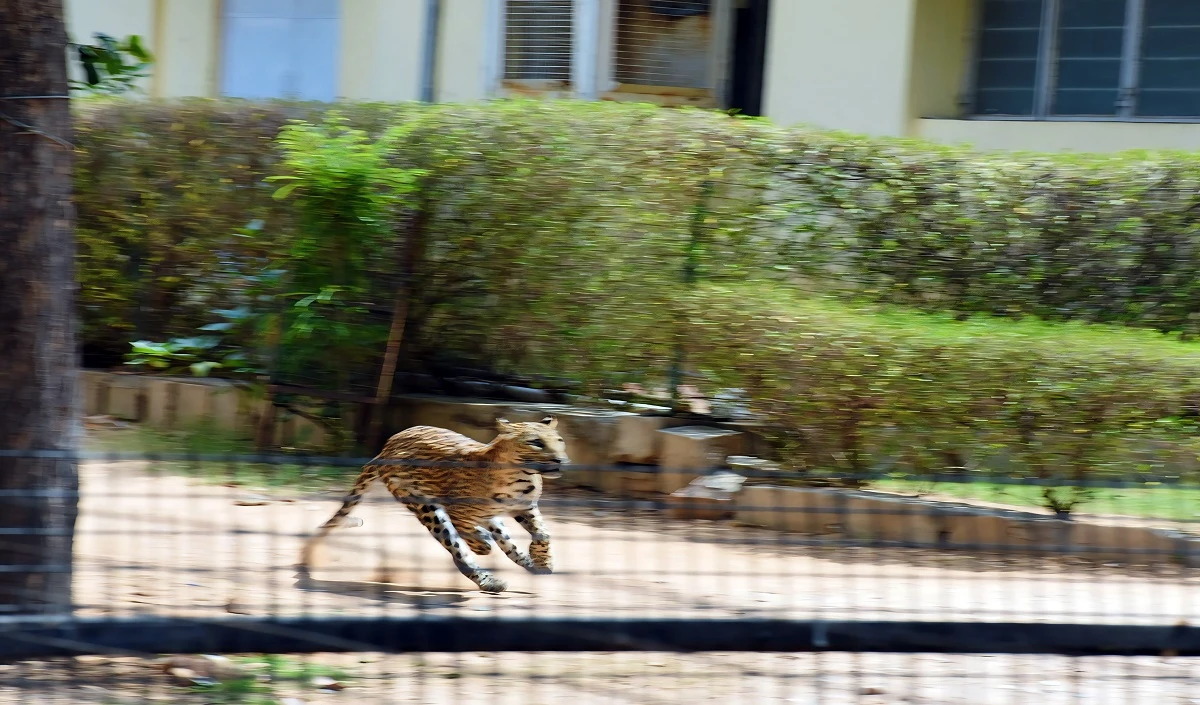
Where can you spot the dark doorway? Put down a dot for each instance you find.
(749, 56)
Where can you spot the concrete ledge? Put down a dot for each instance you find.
(684, 453)
(689, 452)
(174, 403)
(884, 517)
(596, 437)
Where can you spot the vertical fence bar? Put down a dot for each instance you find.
(433, 14)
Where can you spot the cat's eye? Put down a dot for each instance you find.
(537, 443)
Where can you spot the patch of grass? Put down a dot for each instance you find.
(286, 668)
(199, 438)
(236, 692)
(269, 674)
(1175, 503)
(203, 439)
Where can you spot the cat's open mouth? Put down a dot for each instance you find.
(550, 470)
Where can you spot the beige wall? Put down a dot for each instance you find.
(189, 48)
(941, 53)
(1060, 136)
(382, 44)
(462, 61)
(882, 67)
(840, 64)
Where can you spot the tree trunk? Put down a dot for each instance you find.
(413, 254)
(38, 400)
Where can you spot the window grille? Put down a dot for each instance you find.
(537, 41)
(664, 43)
(1111, 59)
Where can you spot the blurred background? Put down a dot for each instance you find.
(870, 327)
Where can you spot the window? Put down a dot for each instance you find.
(1088, 58)
(670, 52)
(537, 40)
(1089, 36)
(1006, 80)
(1170, 59)
(280, 49)
(664, 43)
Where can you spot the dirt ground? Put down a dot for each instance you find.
(150, 544)
(642, 679)
(173, 545)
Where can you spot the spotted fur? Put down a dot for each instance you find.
(463, 506)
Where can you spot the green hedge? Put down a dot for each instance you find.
(554, 228)
(1108, 238)
(162, 187)
(558, 234)
(861, 388)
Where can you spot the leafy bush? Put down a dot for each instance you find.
(547, 229)
(1106, 238)
(104, 66)
(562, 241)
(858, 388)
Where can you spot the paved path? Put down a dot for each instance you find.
(167, 545)
(171, 545)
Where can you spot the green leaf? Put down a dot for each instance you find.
(285, 191)
(201, 369)
(135, 47)
(197, 342)
(87, 57)
(240, 313)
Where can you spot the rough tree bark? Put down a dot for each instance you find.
(38, 400)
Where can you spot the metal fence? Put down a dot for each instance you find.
(874, 595)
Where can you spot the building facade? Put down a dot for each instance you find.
(1084, 75)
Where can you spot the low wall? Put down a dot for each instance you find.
(594, 437)
(678, 452)
(891, 518)
(177, 403)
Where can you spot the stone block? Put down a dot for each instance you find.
(125, 397)
(638, 440)
(756, 470)
(800, 509)
(93, 392)
(754, 441)
(691, 451)
(223, 407)
(1126, 544)
(163, 402)
(693, 502)
(193, 404)
(974, 528)
(635, 483)
(708, 497)
(880, 517)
